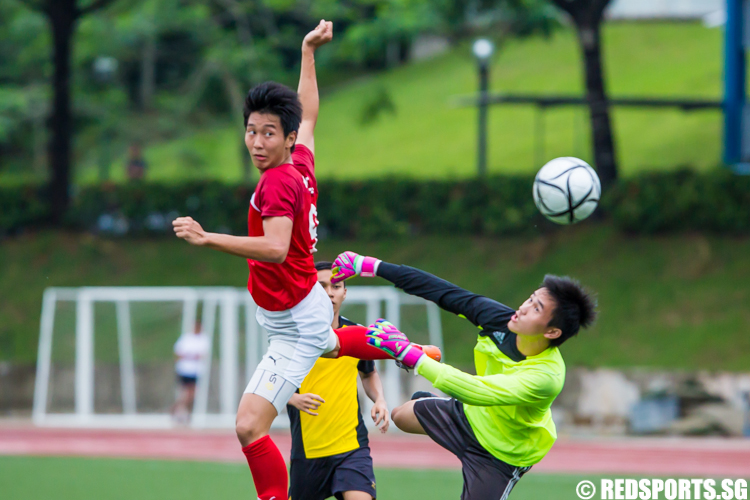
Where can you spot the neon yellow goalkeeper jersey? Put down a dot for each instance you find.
(507, 403)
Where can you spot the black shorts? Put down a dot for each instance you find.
(325, 477)
(187, 380)
(485, 476)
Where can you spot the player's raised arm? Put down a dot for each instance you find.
(308, 82)
(480, 310)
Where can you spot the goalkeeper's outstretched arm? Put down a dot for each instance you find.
(480, 310)
(528, 387)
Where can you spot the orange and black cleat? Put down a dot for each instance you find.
(432, 351)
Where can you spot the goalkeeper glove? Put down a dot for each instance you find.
(349, 264)
(386, 337)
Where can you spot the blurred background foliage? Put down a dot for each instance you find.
(647, 203)
(147, 71)
(167, 78)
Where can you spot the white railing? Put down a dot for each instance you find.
(224, 303)
(664, 9)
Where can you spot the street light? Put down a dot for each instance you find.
(105, 69)
(483, 50)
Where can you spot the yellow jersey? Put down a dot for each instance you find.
(339, 427)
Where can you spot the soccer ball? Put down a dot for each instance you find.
(567, 190)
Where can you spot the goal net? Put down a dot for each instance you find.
(105, 353)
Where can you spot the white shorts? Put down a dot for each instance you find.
(296, 339)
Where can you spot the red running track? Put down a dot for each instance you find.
(634, 456)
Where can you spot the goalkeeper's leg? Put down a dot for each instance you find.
(405, 419)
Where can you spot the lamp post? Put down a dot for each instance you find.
(105, 69)
(483, 50)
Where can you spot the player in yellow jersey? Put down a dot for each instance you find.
(330, 449)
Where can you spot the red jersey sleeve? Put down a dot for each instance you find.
(304, 160)
(280, 196)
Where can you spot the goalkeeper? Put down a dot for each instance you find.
(498, 422)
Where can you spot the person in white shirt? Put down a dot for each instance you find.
(189, 351)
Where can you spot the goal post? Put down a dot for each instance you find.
(236, 346)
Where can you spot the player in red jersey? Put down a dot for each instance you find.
(282, 233)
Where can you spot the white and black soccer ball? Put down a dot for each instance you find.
(567, 190)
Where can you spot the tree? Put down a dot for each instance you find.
(587, 16)
(62, 16)
(23, 96)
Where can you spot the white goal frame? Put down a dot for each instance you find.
(223, 302)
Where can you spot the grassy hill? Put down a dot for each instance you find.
(671, 301)
(430, 136)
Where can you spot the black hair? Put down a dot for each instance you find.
(575, 307)
(325, 265)
(275, 99)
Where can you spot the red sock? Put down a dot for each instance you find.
(353, 342)
(268, 469)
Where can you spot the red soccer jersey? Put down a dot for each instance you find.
(286, 191)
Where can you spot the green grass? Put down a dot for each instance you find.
(677, 302)
(430, 136)
(37, 478)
